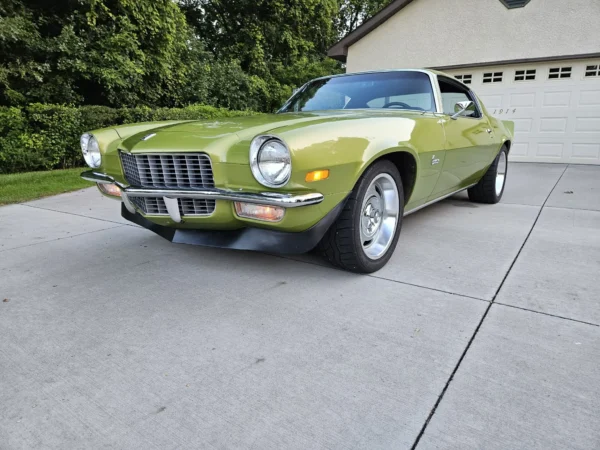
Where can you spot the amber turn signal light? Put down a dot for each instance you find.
(110, 189)
(259, 212)
(317, 175)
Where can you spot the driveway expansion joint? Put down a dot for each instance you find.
(62, 238)
(430, 288)
(548, 314)
(572, 208)
(78, 215)
(483, 317)
(386, 279)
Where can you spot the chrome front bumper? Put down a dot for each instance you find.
(264, 198)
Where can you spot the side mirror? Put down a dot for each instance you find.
(460, 108)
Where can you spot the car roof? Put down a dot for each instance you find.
(427, 71)
(437, 72)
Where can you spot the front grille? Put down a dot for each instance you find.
(187, 206)
(175, 170)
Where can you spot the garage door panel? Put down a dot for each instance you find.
(553, 125)
(491, 101)
(519, 150)
(556, 99)
(585, 152)
(589, 97)
(552, 150)
(523, 125)
(556, 120)
(522, 100)
(587, 124)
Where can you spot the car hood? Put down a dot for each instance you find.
(226, 139)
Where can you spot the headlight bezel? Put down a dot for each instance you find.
(256, 147)
(90, 147)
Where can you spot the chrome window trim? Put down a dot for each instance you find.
(474, 98)
(432, 80)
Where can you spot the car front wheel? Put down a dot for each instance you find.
(365, 234)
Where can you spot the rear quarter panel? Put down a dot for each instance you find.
(503, 129)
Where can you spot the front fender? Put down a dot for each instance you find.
(348, 148)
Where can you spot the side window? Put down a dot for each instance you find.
(377, 102)
(328, 100)
(452, 93)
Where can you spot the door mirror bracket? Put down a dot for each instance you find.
(460, 108)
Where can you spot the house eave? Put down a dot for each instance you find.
(517, 61)
(339, 50)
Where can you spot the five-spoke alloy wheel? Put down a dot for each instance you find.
(379, 216)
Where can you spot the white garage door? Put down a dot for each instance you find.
(555, 107)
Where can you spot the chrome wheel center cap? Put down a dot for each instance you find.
(371, 217)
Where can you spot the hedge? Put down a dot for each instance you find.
(44, 137)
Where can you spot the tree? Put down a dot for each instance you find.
(280, 44)
(232, 53)
(112, 52)
(261, 32)
(352, 13)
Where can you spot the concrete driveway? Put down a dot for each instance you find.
(481, 333)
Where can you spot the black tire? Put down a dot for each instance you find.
(342, 244)
(485, 190)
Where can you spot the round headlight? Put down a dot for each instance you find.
(270, 161)
(91, 150)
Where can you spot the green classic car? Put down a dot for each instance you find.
(336, 168)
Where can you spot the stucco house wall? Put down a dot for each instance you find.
(441, 33)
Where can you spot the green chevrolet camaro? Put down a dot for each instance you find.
(336, 169)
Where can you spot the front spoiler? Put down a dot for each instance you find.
(254, 239)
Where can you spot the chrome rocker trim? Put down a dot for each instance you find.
(425, 205)
(264, 198)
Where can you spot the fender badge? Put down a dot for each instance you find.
(149, 136)
(434, 160)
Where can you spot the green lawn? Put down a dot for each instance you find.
(21, 187)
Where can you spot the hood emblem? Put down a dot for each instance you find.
(148, 136)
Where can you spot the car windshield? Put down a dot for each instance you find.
(393, 90)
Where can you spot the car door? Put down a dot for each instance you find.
(422, 128)
(469, 139)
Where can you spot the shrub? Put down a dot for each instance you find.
(45, 136)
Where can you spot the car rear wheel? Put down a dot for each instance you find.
(491, 186)
(365, 234)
